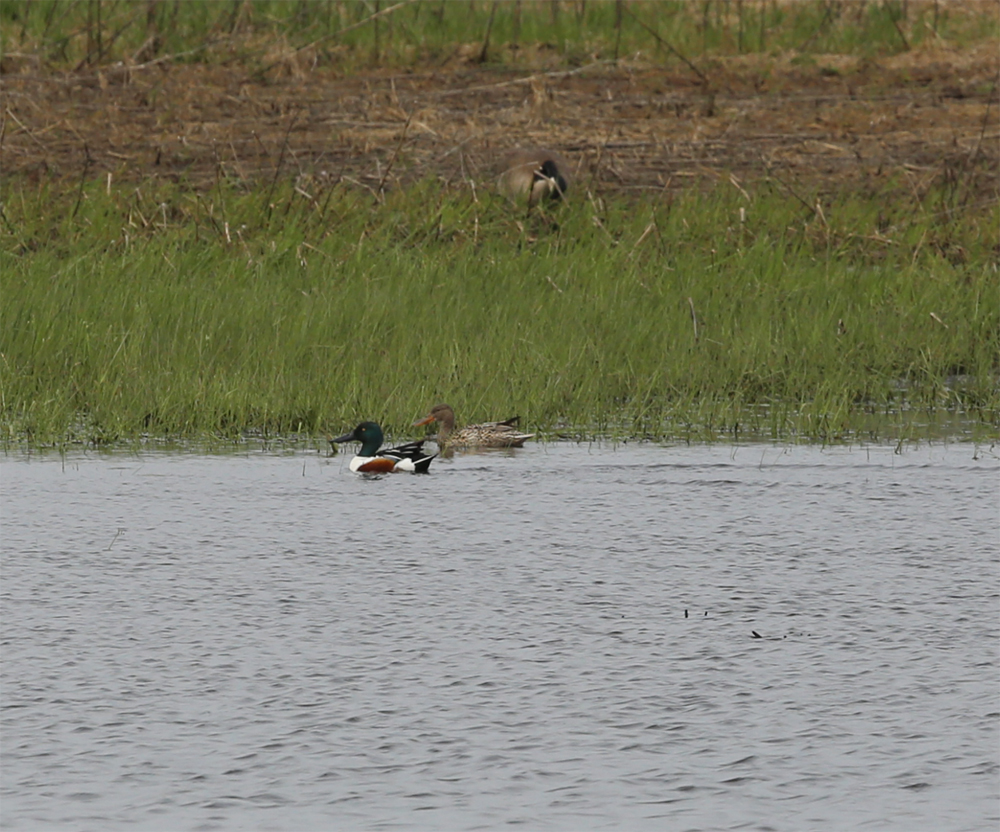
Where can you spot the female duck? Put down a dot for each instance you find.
(486, 435)
(535, 175)
(370, 460)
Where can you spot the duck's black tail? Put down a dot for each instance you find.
(420, 466)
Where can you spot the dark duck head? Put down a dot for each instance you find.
(369, 434)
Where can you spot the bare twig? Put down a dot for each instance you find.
(986, 121)
(597, 164)
(103, 50)
(166, 58)
(392, 159)
(666, 43)
(736, 184)
(827, 17)
(694, 318)
(360, 184)
(20, 124)
(353, 26)
(112, 543)
(643, 236)
(236, 162)
(810, 208)
(281, 159)
(526, 80)
(619, 5)
(902, 37)
(208, 214)
(598, 224)
(319, 251)
(489, 28)
(457, 147)
(87, 162)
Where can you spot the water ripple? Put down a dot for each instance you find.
(568, 637)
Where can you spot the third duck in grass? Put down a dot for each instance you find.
(533, 175)
(486, 435)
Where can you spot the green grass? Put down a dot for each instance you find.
(132, 312)
(74, 34)
(159, 310)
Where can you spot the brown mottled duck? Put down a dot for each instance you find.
(486, 435)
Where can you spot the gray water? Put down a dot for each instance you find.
(562, 638)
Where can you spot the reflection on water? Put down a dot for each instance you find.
(560, 637)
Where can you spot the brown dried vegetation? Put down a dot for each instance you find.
(825, 122)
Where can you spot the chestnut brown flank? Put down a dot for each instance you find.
(379, 465)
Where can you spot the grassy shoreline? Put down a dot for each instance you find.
(170, 314)
(177, 262)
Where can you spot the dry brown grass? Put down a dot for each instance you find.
(825, 122)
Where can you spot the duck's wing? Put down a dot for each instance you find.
(409, 457)
(491, 435)
(514, 439)
(506, 424)
(404, 451)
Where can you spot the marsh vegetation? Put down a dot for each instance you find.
(194, 289)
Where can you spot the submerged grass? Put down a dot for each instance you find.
(153, 310)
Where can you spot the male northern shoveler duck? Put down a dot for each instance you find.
(487, 435)
(370, 460)
(534, 174)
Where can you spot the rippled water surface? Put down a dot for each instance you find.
(558, 639)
